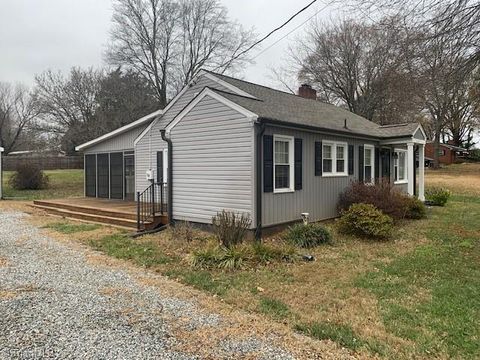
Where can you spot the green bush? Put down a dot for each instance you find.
(365, 220)
(383, 195)
(415, 209)
(230, 228)
(308, 236)
(220, 257)
(437, 195)
(28, 177)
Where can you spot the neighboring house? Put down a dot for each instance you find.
(1, 173)
(224, 143)
(447, 153)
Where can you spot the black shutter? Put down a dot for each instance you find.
(267, 163)
(350, 159)
(377, 164)
(298, 163)
(360, 163)
(318, 158)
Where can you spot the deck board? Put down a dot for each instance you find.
(129, 207)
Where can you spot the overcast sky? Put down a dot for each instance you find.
(39, 34)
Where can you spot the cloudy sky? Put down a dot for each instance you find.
(58, 34)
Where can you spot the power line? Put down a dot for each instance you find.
(293, 30)
(266, 36)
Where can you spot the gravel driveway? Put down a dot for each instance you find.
(54, 303)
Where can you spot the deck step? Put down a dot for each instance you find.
(87, 210)
(96, 218)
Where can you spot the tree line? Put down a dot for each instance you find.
(391, 61)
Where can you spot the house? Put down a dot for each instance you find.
(447, 153)
(225, 143)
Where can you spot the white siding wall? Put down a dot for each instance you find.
(213, 162)
(118, 143)
(147, 147)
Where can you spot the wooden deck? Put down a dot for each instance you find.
(106, 211)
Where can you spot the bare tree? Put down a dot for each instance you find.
(357, 66)
(68, 104)
(18, 113)
(454, 19)
(443, 63)
(168, 41)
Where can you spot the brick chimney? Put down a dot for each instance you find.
(306, 91)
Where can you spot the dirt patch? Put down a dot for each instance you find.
(7, 294)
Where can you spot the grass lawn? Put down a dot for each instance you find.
(62, 184)
(415, 296)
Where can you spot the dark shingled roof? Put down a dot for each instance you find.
(283, 107)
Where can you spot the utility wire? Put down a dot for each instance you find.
(266, 36)
(293, 30)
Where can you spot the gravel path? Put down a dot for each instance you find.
(54, 303)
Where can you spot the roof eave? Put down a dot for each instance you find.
(143, 120)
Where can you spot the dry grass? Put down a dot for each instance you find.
(463, 179)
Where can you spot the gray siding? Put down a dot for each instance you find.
(118, 143)
(213, 162)
(148, 145)
(419, 135)
(319, 195)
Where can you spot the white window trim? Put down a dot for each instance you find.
(372, 159)
(290, 162)
(334, 145)
(403, 181)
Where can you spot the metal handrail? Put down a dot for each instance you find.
(151, 203)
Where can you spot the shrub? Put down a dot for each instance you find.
(365, 220)
(183, 230)
(437, 195)
(382, 195)
(28, 177)
(307, 236)
(230, 228)
(415, 209)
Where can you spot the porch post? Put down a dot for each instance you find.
(421, 172)
(410, 168)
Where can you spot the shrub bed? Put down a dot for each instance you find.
(230, 228)
(365, 220)
(308, 236)
(415, 209)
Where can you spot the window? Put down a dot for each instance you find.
(327, 159)
(368, 164)
(400, 166)
(441, 152)
(334, 159)
(283, 163)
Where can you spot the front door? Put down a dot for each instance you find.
(129, 161)
(385, 163)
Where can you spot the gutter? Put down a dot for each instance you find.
(258, 193)
(170, 178)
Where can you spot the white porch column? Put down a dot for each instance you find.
(410, 168)
(421, 172)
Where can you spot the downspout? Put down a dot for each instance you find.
(258, 212)
(170, 178)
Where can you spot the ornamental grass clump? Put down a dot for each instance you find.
(230, 228)
(307, 235)
(365, 220)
